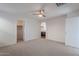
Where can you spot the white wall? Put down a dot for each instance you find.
(32, 29)
(72, 29)
(56, 28)
(7, 30)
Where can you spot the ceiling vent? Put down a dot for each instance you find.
(60, 4)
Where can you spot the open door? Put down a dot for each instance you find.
(20, 26)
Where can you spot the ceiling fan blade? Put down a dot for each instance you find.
(42, 11)
(44, 16)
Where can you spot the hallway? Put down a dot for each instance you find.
(39, 47)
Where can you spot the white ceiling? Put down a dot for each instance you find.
(51, 10)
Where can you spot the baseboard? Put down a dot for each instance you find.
(57, 41)
(68, 45)
(7, 45)
(31, 39)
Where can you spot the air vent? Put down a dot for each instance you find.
(59, 4)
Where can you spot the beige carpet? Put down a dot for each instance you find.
(39, 47)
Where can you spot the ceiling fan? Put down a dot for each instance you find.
(40, 13)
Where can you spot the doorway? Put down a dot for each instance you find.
(20, 30)
(43, 29)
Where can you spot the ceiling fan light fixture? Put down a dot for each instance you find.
(40, 15)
